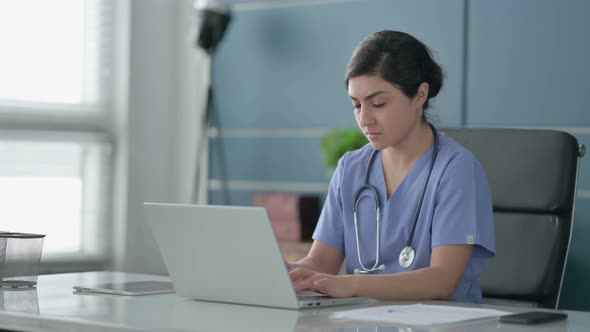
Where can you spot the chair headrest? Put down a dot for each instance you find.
(528, 169)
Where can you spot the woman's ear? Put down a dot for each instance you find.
(422, 95)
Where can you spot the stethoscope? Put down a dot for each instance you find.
(407, 255)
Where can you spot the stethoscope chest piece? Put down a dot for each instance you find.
(406, 257)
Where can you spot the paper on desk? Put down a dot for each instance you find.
(418, 314)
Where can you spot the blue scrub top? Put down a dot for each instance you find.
(457, 209)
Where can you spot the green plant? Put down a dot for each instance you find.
(338, 142)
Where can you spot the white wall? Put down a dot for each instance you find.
(165, 95)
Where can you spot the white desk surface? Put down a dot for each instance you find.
(53, 306)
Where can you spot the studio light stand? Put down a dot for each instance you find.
(213, 19)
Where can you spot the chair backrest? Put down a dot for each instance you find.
(533, 178)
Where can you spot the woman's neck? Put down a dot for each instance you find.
(405, 154)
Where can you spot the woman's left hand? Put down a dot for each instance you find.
(329, 284)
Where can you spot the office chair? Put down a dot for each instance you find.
(533, 177)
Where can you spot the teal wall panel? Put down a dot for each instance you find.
(237, 197)
(284, 67)
(276, 159)
(528, 62)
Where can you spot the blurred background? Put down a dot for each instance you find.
(102, 107)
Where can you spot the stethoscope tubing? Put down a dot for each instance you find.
(356, 232)
(423, 193)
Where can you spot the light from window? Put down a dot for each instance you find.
(43, 205)
(43, 51)
(54, 188)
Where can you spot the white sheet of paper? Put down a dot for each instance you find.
(418, 314)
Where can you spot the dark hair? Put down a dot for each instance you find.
(399, 59)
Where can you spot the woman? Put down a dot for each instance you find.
(408, 172)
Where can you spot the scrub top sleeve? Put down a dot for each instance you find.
(463, 207)
(330, 226)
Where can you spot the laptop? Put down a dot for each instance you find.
(227, 254)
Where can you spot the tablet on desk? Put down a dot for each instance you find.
(129, 288)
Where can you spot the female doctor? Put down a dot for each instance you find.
(411, 212)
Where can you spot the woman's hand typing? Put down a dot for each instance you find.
(329, 284)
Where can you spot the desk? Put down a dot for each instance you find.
(54, 307)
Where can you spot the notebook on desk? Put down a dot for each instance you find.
(226, 254)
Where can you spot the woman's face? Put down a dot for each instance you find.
(383, 112)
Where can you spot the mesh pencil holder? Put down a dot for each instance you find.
(20, 255)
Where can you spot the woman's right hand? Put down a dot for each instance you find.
(291, 265)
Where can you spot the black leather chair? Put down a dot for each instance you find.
(533, 178)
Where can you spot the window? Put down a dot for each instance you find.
(50, 187)
(55, 111)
